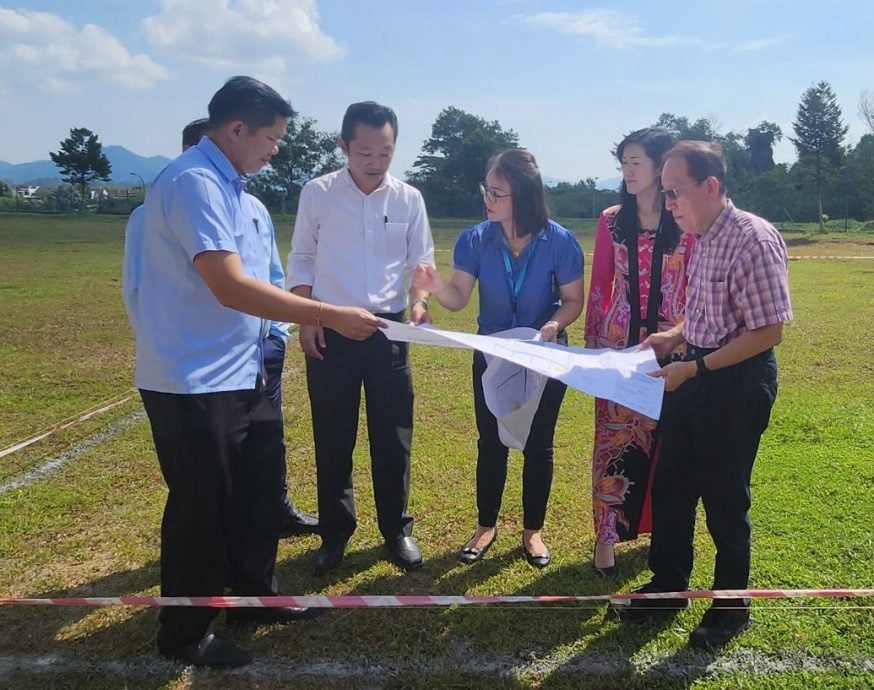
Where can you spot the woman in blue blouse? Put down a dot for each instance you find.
(530, 273)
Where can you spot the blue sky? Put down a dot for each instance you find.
(569, 77)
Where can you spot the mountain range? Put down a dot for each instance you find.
(123, 161)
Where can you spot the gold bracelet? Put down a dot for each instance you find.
(319, 315)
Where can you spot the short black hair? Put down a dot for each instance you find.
(194, 131)
(519, 168)
(247, 99)
(703, 159)
(368, 113)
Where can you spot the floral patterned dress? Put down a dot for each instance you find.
(625, 445)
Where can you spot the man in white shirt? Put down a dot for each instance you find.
(358, 234)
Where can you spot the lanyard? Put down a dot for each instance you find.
(516, 280)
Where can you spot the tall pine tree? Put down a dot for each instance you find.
(819, 132)
(81, 160)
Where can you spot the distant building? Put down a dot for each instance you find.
(29, 193)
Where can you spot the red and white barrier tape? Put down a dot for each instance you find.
(354, 601)
(67, 423)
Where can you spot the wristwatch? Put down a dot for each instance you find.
(702, 367)
(421, 301)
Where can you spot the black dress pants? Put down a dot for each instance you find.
(274, 361)
(221, 457)
(334, 386)
(710, 431)
(491, 461)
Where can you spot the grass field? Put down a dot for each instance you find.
(92, 526)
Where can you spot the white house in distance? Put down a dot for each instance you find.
(28, 193)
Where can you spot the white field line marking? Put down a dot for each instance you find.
(686, 663)
(52, 464)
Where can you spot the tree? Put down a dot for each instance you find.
(680, 128)
(5, 190)
(866, 109)
(819, 132)
(759, 142)
(860, 178)
(81, 160)
(64, 198)
(304, 153)
(453, 161)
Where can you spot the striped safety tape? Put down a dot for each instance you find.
(67, 423)
(353, 601)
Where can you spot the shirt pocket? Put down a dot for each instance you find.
(396, 238)
(716, 307)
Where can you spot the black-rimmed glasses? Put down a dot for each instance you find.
(675, 192)
(490, 194)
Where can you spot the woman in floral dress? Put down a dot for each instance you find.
(638, 286)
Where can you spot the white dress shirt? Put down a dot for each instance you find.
(356, 249)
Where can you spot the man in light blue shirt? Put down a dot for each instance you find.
(290, 521)
(200, 314)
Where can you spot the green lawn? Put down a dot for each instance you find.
(92, 527)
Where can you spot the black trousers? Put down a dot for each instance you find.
(334, 386)
(274, 361)
(220, 454)
(491, 460)
(710, 431)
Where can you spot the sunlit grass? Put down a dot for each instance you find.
(93, 526)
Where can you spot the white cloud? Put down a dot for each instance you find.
(47, 52)
(234, 33)
(760, 44)
(610, 27)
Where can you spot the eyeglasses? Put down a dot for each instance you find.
(490, 194)
(675, 192)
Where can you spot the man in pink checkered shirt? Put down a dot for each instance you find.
(719, 398)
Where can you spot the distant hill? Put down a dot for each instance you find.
(123, 161)
(611, 183)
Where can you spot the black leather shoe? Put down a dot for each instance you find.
(538, 560)
(237, 617)
(405, 552)
(719, 626)
(295, 523)
(210, 652)
(330, 553)
(470, 554)
(643, 610)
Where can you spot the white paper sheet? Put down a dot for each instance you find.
(512, 392)
(617, 375)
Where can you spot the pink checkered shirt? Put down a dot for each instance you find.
(738, 280)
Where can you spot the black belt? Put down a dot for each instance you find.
(694, 352)
(392, 316)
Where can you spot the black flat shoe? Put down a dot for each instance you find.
(538, 560)
(607, 572)
(470, 554)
